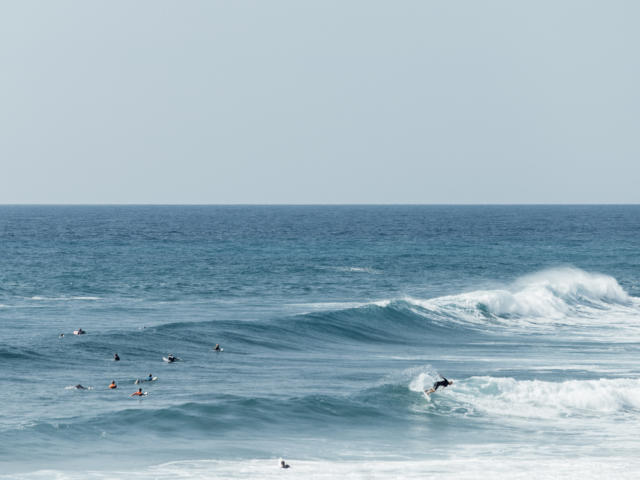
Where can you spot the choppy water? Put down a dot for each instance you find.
(332, 320)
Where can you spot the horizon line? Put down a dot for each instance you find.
(399, 204)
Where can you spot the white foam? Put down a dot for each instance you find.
(327, 306)
(507, 397)
(543, 301)
(335, 306)
(497, 466)
(61, 299)
(354, 269)
(422, 381)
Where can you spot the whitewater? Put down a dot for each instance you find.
(333, 320)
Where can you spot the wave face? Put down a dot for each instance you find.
(333, 321)
(542, 302)
(560, 297)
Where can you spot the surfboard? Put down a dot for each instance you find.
(221, 350)
(78, 332)
(143, 380)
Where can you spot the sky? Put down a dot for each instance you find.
(322, 102)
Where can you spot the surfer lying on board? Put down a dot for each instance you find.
(442, 383)
(137, 394)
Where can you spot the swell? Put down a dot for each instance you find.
(563, 300)
(393, 401)
(8, 353)
(560, 298)
(225, 413)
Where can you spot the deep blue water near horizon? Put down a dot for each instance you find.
(332, 319)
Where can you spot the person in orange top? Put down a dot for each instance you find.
(137, 394)
(113, 384)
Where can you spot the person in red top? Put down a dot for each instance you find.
(137, 394)
(113, 384)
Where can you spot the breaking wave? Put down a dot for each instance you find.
(536, 399)
(567, 300)
(560, 297)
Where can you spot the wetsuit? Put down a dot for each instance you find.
(442, 383)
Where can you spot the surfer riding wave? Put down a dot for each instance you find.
(441, 383)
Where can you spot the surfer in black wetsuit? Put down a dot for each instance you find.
(442, 383)
(116, 358)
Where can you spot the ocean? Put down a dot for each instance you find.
(333, 320)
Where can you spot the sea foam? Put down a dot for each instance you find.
(508, 397)
(459, 467)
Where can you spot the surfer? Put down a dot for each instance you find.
(80, 332)
(442, 383)
(149, 378)
(171, 358)
(80, 387)
(61, 335)
(284, 464)
(113, 385)
(116, 358)
(137, 394)
(217, 347)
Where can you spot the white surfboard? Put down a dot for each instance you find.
(143, 380)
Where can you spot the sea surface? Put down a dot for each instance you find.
(333, 319)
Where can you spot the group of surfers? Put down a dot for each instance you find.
(116, 358)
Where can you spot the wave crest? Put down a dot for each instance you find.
(566, 295)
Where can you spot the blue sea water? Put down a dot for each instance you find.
(333, 319)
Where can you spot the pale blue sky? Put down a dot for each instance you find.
(450, 101)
